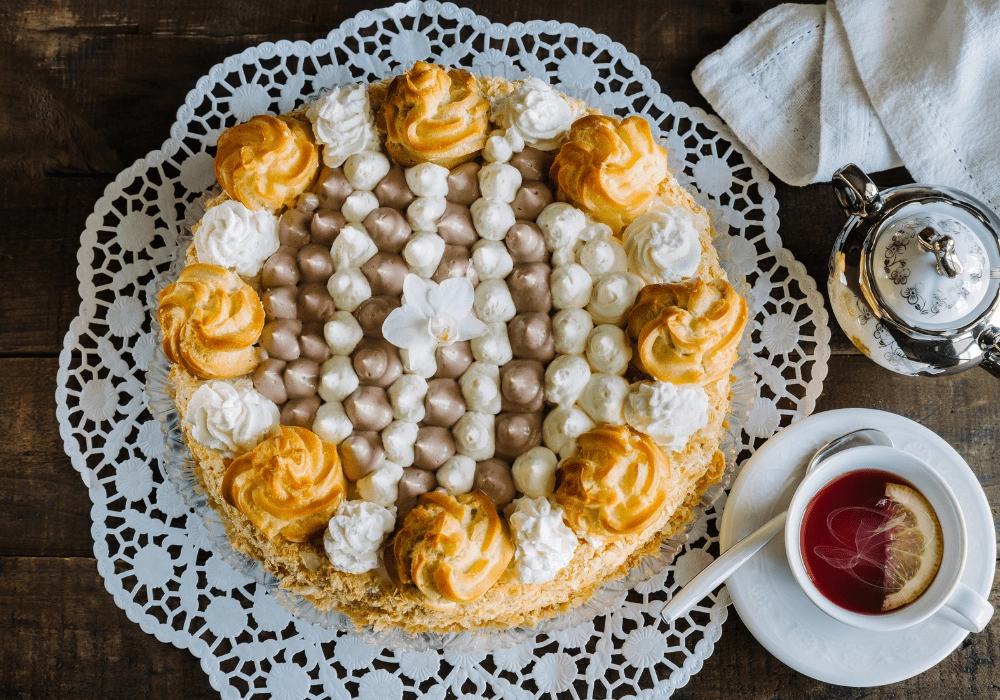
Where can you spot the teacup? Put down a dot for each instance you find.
(946, 595)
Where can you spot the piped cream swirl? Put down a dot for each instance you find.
(342, 122)
(662, 246)
(539, 114)
(237, 238)
(229, 417)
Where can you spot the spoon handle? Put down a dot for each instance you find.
(721, 569)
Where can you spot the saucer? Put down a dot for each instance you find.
(775, 609)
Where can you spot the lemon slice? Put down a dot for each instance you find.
(913, 552)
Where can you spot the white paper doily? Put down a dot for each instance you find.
(153, 551)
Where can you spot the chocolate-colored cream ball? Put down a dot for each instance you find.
(377, 362)
(315, 263)
(312, 343)
(522, 386)
(280, 302)
(532, 197)
(325, 226)
(281, 269)
(434, 447)
(456, 227)
(371, 314)
(444, 403)
(301, 378)
(280, 338)
(517, 433)
(293, 227)
(333, 188)
(388, 229)
(314, 305)
(361, 453)
(463, 184)
(414, 483)
(392, 190)
(300, 412)
(385, 273)
(456, 262)
(526, 243)
(531, 336)
(369, 408)
(533, 164)
(268, 380)
(493, 478)
(453, 360)
(529, 287)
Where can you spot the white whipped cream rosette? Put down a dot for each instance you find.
(237, 238)
(668, 413)
(543, 544)
(229, 417)
(342, 121)
(355, 533)
(539, 114)
(662, 246)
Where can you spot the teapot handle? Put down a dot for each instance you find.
(856, 192)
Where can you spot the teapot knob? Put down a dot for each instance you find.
(856, 193)
(943, 247)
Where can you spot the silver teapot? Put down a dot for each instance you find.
(915, 275)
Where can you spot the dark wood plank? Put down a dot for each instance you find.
(739, 668)
(64, 637)
(44, 505)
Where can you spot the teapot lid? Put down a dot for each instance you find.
(931, 268)
(930, 258)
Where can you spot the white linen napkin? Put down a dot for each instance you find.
(880, 83)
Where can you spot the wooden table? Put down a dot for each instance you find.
(86, 87)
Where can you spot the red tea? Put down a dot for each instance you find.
(870, 542)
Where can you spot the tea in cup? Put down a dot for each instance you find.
(877, 540)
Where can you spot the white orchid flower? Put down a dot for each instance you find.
(432, 316)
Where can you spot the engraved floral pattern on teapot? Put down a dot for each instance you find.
(930, 296)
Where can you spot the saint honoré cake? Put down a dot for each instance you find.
(450, 352)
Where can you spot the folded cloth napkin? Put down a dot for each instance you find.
(880, 83)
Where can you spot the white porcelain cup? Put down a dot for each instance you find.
(947, 596)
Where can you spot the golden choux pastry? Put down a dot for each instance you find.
(267, 162)
(290, 484)
(434, 115)
(688, 332)
(610, 169)
(616, 484)
(453, 548)
(211, 320)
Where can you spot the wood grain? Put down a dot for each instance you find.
(64, 638)
(88, 87)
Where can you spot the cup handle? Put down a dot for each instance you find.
(967, 609)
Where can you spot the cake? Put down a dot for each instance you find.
(450, 352)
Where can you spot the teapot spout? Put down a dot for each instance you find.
(989, 343)
(856, 192)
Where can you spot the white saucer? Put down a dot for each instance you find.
(775, 609)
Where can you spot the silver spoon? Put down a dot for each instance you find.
(737, 555)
